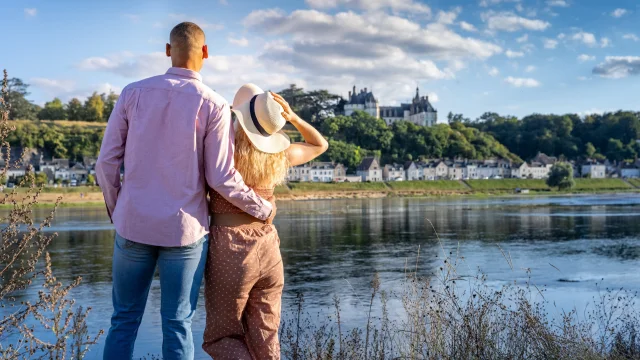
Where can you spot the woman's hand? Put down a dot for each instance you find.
(288, 114)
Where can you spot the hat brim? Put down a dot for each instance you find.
(273, 144)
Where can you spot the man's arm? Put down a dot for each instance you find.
(219, 167)
(112, 154)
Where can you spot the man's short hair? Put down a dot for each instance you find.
(187, 36)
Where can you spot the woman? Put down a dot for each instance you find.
(244, 276)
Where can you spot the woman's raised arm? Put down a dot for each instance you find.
(314, 143)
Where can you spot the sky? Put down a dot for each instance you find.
(514, 57)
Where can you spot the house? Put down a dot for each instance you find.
(369, 170)
(299, 173)
(544, 159)
(63, 174)
(593, 170)
(323, 172)
(471, 171)
(411, 170)
(538, 170)
(15, 173)
(393, 172)
(630, 171)
(79, 172)
(520, 171)
(455, 170)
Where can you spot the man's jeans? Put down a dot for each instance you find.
(181, 271)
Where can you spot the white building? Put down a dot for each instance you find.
(362, 101)
(594, 170)
(471, 171)
(455, 170)
(419, 111)
(393, 172)
(412, 172)
(434, 170)
(299, 173)
(326, 172)
(630, 171)
(369, 170)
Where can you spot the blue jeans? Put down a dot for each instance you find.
(181, 272)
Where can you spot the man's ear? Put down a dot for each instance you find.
(168, 50)
(205, 52)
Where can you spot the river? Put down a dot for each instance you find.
(329, 247)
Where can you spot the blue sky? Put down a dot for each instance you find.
(470, 56)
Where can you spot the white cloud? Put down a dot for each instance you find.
(583, 78)
(605, 42)
(52, 86)
(618, 13)
(561, 36)
(522, 82)
(523, 38)
(467, 27)
(617, 67)
(494, 71)
(550, 43)
(585, 37)
(585, 57)
(557, 3)
(487, 3)
(433, 97)
(449, 17)
(223, 2)
(30, 12)
(530, 68)
(633, 37)
(373, 5)
(128, 65)
(242, 42)
(514, 54)
(367, 35)
(507, 21)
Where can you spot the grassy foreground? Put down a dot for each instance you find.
(458, 313)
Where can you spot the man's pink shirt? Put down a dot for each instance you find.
(174, 136)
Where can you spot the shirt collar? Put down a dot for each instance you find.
(182, 72)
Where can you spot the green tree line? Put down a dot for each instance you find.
(96, 108)
(610, 136)
(63, 142)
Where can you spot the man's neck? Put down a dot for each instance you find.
(189, 66)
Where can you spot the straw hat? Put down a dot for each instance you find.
(260, 116)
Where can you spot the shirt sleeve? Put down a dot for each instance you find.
(112, 154)
(219, 166)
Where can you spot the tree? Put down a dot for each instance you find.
(91, 180)
(347, 154)
(21, 108)
(53, 110)
(590, 150)
(94, 108)
(41, 179)
(75, 111)
(109, 103)
(561, 176)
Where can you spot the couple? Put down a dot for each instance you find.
(178, 140)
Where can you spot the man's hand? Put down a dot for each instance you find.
(288, 114)
(273, 213)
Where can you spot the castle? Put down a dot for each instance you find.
(419, 112)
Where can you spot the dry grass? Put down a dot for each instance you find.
(51, 326)
(456, 314)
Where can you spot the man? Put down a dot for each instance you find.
(174, 136)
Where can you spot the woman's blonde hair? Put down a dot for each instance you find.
(259, 169)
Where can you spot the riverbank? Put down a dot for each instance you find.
(91, 196)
